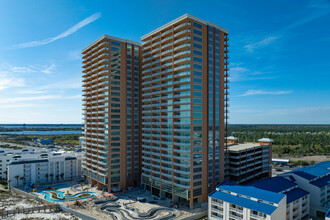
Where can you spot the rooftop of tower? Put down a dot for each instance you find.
(111, 38)
(181, 18)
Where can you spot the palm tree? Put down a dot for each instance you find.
(22, 179)
(51, 176)
(82, 186)
(46, 177)
(16, 177)
(8, 182)
(57, 176)
(62, 176)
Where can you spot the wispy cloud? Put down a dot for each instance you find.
(313, 11)
(317, 9)
(315, 15)
(48, 69)
(251, 47)
(75, 55)
(74, 97)
(23, 99)
(66, 33)
(296, 111)
(28, 98)
(319, 4)
(21, 69)
(65, 84)
(8, 80)
(241, 73)
(20, 105)
(29, 91)
(263, 92)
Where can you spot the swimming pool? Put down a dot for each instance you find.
(67, 198)
(47, 193)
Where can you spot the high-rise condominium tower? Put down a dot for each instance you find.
(184, 106)
(180, 101)
(111, 106)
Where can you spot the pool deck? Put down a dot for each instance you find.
(73, 188)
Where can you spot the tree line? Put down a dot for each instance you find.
(295, 140)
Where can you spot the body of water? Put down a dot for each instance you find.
(41, 125)
(41, 132)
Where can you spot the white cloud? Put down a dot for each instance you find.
(240, 73)
(28, 98)
(66, 84)
(307, 19)
(295, 115)
(29, 91)
(75, 55)
(319, 4)
(74, 97)
(66, 33)
(318, 8)
(20, 105)
(47, 69)
(297, 111)
(8, 80)
(21, 69)
(251, 47)
(263, 92)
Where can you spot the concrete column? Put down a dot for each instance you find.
(162, 195)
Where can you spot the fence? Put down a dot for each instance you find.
(61, 207)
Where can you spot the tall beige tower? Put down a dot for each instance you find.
(184, 108)
(111, 107)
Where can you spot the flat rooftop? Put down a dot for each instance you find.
(105, 36)
(243, 146)
(181, 18)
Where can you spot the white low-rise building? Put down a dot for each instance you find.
(315, 180)
(297, 200)
(45, 168)
(327, 216)
(233, 201)
(8, 155)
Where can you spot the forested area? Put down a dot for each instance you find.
(295, 140)
(64, 139)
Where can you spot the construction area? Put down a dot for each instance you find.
(135, 204)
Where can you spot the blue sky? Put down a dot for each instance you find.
(279, 54)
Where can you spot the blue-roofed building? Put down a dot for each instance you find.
(315, 180)
(297, 200)
(327, 216)
(233, 201)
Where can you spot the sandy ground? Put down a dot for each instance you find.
(41, 216)
(11, 202)
(88, 206)
(317, 159)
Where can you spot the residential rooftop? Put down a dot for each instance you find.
(281, 185)
(251, 191)
(241, 146)
(180, 19)
(317, 174)
(314, 171)
(111, 38)
(248, 196)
